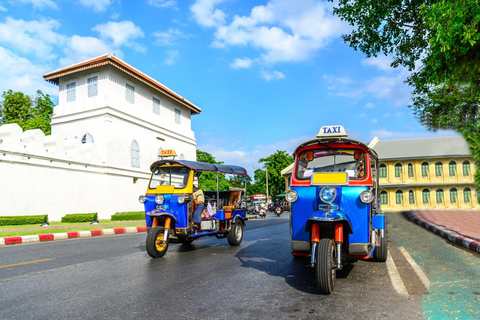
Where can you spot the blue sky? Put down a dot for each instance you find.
(267, 74)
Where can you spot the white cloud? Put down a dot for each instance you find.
(171, 56)
(206, 15)
(374, 120)
(41, 4)
(244, 63)
(2, 8)
(121, 33)
(163, 3)
(369, 105)
(272, 75)
(34, 36)
(96, 5)
(169, 37)
(83, 48)
(20, 74)
(282, 30)
(382, 62)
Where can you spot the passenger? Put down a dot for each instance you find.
(360, 165)
(199, 200)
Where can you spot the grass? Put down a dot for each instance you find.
(60, 227)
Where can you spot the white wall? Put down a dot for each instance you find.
(36, 179)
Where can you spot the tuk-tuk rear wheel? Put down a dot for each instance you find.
(156, 244)
(235, 235)
(325, 269)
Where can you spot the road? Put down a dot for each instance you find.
(114, 278)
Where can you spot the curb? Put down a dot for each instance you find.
(457, 239)
(69, 235)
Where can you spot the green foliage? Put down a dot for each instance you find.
(131, 215)
(275, 163)
(21, 220)
(80, 217)
(442, 35)
(208, 180)
(28, 112)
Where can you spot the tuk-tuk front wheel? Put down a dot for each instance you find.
(156, 244)
(235, 235)
(325, 269)
(381, 250)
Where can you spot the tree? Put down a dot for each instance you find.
(438, 41)
(28, 112)
(208, 180)
(275, 163)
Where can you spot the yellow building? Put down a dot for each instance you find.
(431, 173)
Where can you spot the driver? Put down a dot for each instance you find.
(199, 200)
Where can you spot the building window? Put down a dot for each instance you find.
(156, 105)
(92, 86)
(399, 197)
(71, 91)
(410, 170)
(467, 195)
(424, 169)
(398, 170)
(438, 169)
(87, 138)
(411, 197)
(383, 197)
(178, 114)
(426, 196)
(181, 157)
(466, 168)
(135, 154)
(158, 154)
(382, 171)
(130, 93)
(452, 168)
(453, 195)
(439, 196)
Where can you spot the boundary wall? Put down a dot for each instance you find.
(48, 175)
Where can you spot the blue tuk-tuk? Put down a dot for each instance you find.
(169, 206)
(335, 212)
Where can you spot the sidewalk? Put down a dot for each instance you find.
(69, 235)
(461, 227)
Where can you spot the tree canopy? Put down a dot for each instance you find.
(208, 180)
(28, 112)
(275, 163)
(438, 42)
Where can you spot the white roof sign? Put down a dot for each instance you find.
(331, 131)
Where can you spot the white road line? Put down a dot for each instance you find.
(395, 277)
(423, 277)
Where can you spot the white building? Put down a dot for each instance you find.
(109, 125)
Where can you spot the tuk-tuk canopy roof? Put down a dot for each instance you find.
(343, 140)
(203, 166)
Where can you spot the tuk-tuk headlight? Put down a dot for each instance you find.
(159, 199)
(291, 196)
(142, 199)
(183, 199)
(328, 194)
(366, 196)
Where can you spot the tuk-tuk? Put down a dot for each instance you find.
(335, 211)
(169, 206)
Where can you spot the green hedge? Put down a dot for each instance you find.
(132, 215)
(12, 221)
(80, 217)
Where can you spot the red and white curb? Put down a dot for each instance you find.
(70, 235)
(465, 242)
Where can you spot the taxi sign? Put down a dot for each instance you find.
(167, 153)
(331, 131)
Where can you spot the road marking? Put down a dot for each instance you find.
(395, 277)
(423, 277)
(23, 263)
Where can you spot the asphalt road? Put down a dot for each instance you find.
(114, 278)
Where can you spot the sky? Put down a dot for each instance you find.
(266, 74)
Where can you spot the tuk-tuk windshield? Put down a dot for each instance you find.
(351, 161)
(169, 176)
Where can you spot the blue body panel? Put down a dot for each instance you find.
(169, 207)
(378, 221)
(351, 209)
